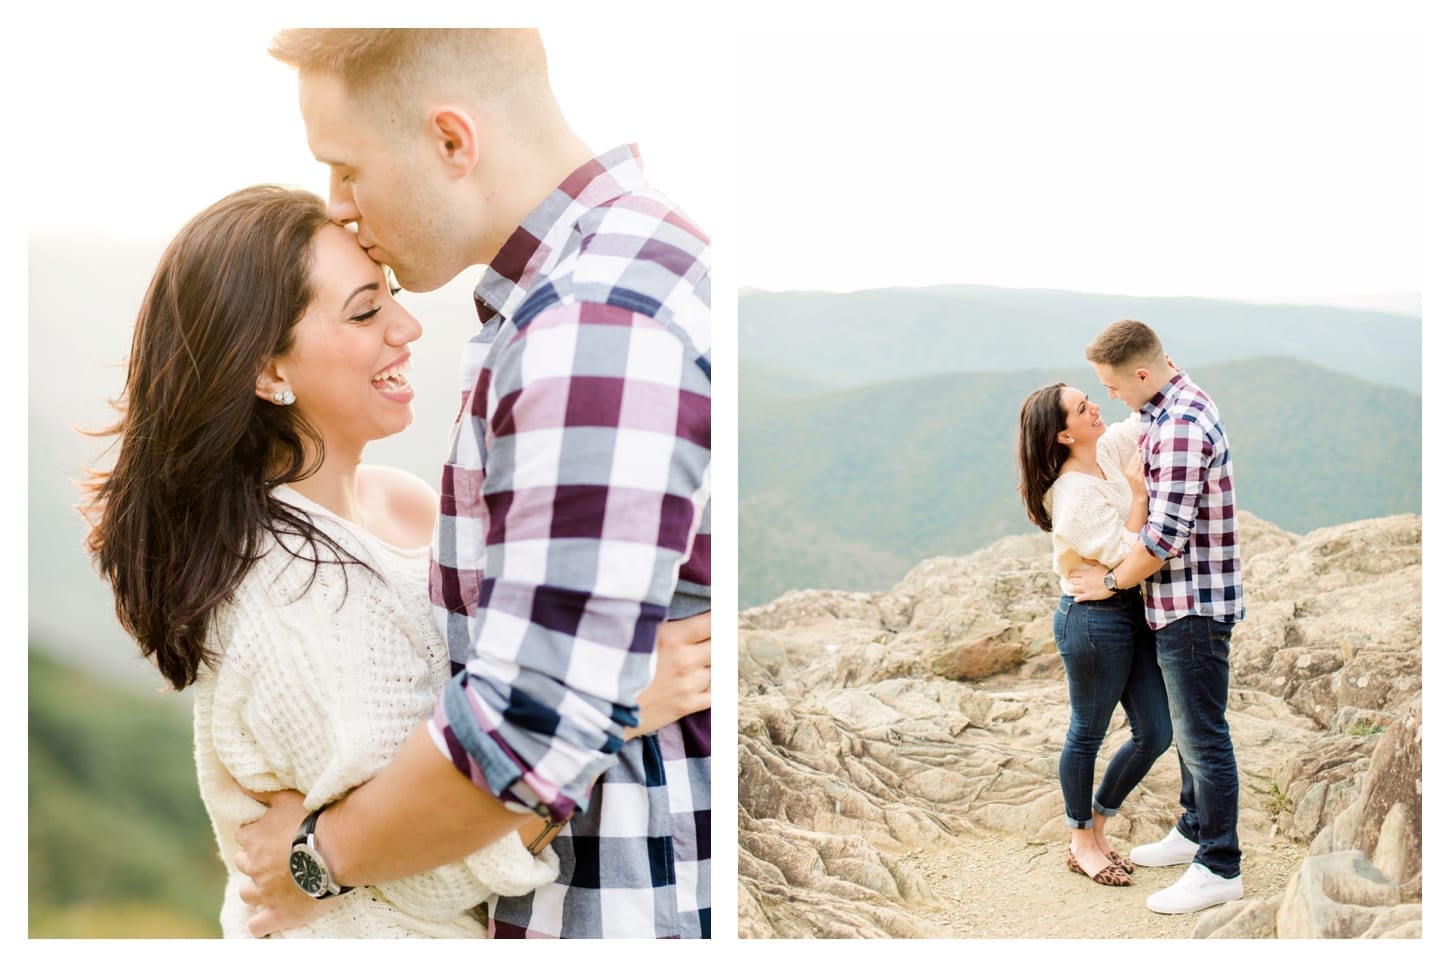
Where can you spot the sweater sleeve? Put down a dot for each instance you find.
(1119, 445)
(320, 685)
(1089, 524)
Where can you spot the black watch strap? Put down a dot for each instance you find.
(308, 825)
(305, 833)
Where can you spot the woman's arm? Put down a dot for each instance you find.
(1085, 520)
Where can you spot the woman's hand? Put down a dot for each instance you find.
(1138, 511)
(681, 684)
(1139, 487)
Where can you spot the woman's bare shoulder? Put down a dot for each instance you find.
(400, 507)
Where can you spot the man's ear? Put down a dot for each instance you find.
(456, 137)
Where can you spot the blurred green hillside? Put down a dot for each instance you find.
(849, 489)
(119, 843)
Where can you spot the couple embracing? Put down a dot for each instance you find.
(477, 712)
(1145, 543)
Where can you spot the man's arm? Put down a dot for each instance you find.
(1087, 584)
(1178, 455)
(426, 812)
(597, 487)
(457, 817)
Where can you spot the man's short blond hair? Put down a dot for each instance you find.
(391, 71)
(1126, 343)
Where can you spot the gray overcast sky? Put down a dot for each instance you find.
(1258, 165)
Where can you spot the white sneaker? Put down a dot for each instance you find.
(1197, 889)
(1172, 850)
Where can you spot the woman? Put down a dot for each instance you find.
(253, 555)
(1083, 482)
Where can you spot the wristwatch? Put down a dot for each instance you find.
(1110, 582)
(309, 869)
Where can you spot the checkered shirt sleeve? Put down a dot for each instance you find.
(595, 483)
(1191, 521)
(577, 486)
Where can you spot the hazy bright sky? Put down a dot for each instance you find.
(156, 126)
(1172, 163)
(1184, 162)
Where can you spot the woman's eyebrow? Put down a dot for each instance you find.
(371, 286)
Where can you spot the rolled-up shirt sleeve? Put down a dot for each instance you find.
(1175, 463)
(597, 474)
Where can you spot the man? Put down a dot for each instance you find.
(575, 500)
(1188, 562)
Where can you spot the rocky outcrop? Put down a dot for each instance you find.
(1362, 876)
(1307, 639)
(876, 726)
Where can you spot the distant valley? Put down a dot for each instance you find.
(847, 488)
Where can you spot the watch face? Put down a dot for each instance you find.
(307, 873)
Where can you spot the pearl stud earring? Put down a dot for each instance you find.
(285, 397)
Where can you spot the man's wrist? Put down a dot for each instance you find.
(326, 830)
(309, 866)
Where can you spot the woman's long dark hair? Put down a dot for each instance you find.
(178, 521)
(1040, 455)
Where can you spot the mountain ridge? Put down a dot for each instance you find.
(854, 338)
(915, 468)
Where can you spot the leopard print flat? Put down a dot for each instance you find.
(1109, 875)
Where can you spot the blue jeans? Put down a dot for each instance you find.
(1193, 654)
(1109, 654)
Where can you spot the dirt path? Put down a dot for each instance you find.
(997, 887)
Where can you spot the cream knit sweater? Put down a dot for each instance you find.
(1089, 513)
(316, 688)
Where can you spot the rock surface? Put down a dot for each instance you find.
(898, 752)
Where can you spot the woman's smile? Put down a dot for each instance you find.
(392, 382)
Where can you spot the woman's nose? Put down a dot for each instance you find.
(405, 328)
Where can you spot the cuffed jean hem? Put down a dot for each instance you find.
(1098, 810)
(1108, 655)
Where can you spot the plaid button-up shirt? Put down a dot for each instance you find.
(1191, 523)
(575, 518)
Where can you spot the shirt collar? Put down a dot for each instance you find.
(536, 245)
(1159, 402)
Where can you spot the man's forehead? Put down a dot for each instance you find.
(326, 113)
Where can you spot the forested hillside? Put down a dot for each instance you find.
(119, 844)
(848, 489)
